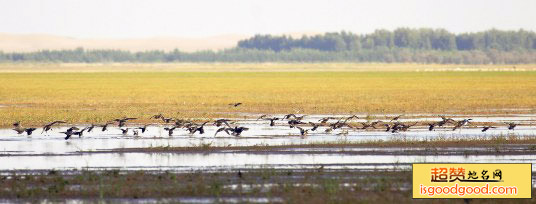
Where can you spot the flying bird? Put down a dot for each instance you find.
(272, 123)
(303, 132)
(123, 120)
(486, 128)
(511, 126)
(48, 127)
(235, 104)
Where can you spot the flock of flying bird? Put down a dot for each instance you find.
(228, 126)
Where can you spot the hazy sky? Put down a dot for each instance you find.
(146, 18)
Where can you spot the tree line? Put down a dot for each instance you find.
(418, 39)
(401, 45)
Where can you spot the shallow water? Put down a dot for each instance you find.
(50, 150)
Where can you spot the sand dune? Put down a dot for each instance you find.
(35, 42)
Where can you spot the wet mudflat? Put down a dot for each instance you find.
(262, 185)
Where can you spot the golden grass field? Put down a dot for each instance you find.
(79, 93)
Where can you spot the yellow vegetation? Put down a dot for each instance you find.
(98, 96)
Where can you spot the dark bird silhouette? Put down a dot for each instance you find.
(445, 120)
(28, 131)
(235, 104)
(167, 120)
(158, 116)
(80, 133)
(272, 120)
(237, 131)
(486, 128)
(225, 129)
(69, 132)
(461, 123)
(123, 120)
(293, 123)
(401, 127)
(179, 123)
(48, 127)
(90, 128)
(351, 117)
(221, 122)
(387, 127)
(197, 128)
(370, 125)
(431, 126)
(288, 116)
(326, 119)
(303, 132)
(338, 124)
(239, 174)
(405, 127)
(299, 117)
(124, 131)
(170, 130)
(511, 126)
(135, 132)
(143, 128)
(105, 126)
(315, 126)
(72, 129)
